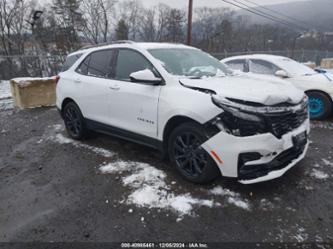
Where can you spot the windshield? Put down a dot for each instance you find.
(191, 63)
(294, 68)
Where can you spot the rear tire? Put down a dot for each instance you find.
(74, 121)
(320, 105)
(187, 155)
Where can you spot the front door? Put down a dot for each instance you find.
(134, 106)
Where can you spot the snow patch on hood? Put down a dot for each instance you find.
(249, 88)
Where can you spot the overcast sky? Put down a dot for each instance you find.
(208, 3)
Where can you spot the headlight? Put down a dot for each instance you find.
(227, 106)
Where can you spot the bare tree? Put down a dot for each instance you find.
(96, 19)
(148, 29)
(175, 25)
(131, 12)
(12, 25)
(69, 20)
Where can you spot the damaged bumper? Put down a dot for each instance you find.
(258, 158)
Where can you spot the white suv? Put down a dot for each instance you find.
(185, 103)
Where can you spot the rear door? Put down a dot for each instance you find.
(93, 78)
(133, 106)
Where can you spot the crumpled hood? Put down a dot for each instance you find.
(248, 88)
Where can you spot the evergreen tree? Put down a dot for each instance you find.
(122, 30)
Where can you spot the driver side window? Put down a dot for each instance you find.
(263, 67)
(128, 62)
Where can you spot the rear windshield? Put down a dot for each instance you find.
(70, 61)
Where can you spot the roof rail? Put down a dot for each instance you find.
(107, 43)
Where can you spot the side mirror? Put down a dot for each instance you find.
(281, 74)
(145, 76)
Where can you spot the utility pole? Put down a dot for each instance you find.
(189, 26)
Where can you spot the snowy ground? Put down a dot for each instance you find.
(5, 96)
(53, 188)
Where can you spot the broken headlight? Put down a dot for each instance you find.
(237, 121)
(229, 106)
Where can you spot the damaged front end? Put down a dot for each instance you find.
(242, 118)
(257, 142)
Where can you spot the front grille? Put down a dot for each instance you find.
(288, 118)
(282, 123)
(248, 172)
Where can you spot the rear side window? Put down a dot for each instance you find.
(263, 67)
(128, 62)
(98, 64)
(70, 60)
(237, 65)
(83, 68)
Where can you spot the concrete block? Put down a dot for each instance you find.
(33, 92)
(310, 64)
(327, 63)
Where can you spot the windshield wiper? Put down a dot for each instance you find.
(195, 77)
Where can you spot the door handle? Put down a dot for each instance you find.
(77, 80)
(115, 87)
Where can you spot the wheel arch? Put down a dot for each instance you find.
(171, 125)
(65, 102)
(329, 98)
(320, 91)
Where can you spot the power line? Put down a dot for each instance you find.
(263, 15)
(272, 16)
(276, 12)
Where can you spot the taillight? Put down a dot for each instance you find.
(57, 78)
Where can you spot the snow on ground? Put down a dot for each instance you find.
(61, 139)
(318, 174)
(266, 205)
(292, 233)
(232, 197)
(148, 185)
(327, 162)
(150, 189)
(301, 235)
(318, 170)
(5, 90)
(322, 125)
(6, 102)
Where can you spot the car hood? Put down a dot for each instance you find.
(318, 77)
(249, 88)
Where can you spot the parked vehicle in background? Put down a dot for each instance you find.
(318, 85)
(185, 103)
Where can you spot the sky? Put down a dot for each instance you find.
(208, 3)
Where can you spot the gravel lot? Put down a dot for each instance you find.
(55, 189)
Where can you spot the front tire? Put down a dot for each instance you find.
(320, 105)
(74, 121)
(187, 155)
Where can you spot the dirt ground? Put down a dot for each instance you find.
(53, 189)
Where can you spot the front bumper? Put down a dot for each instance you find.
(277, 156)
